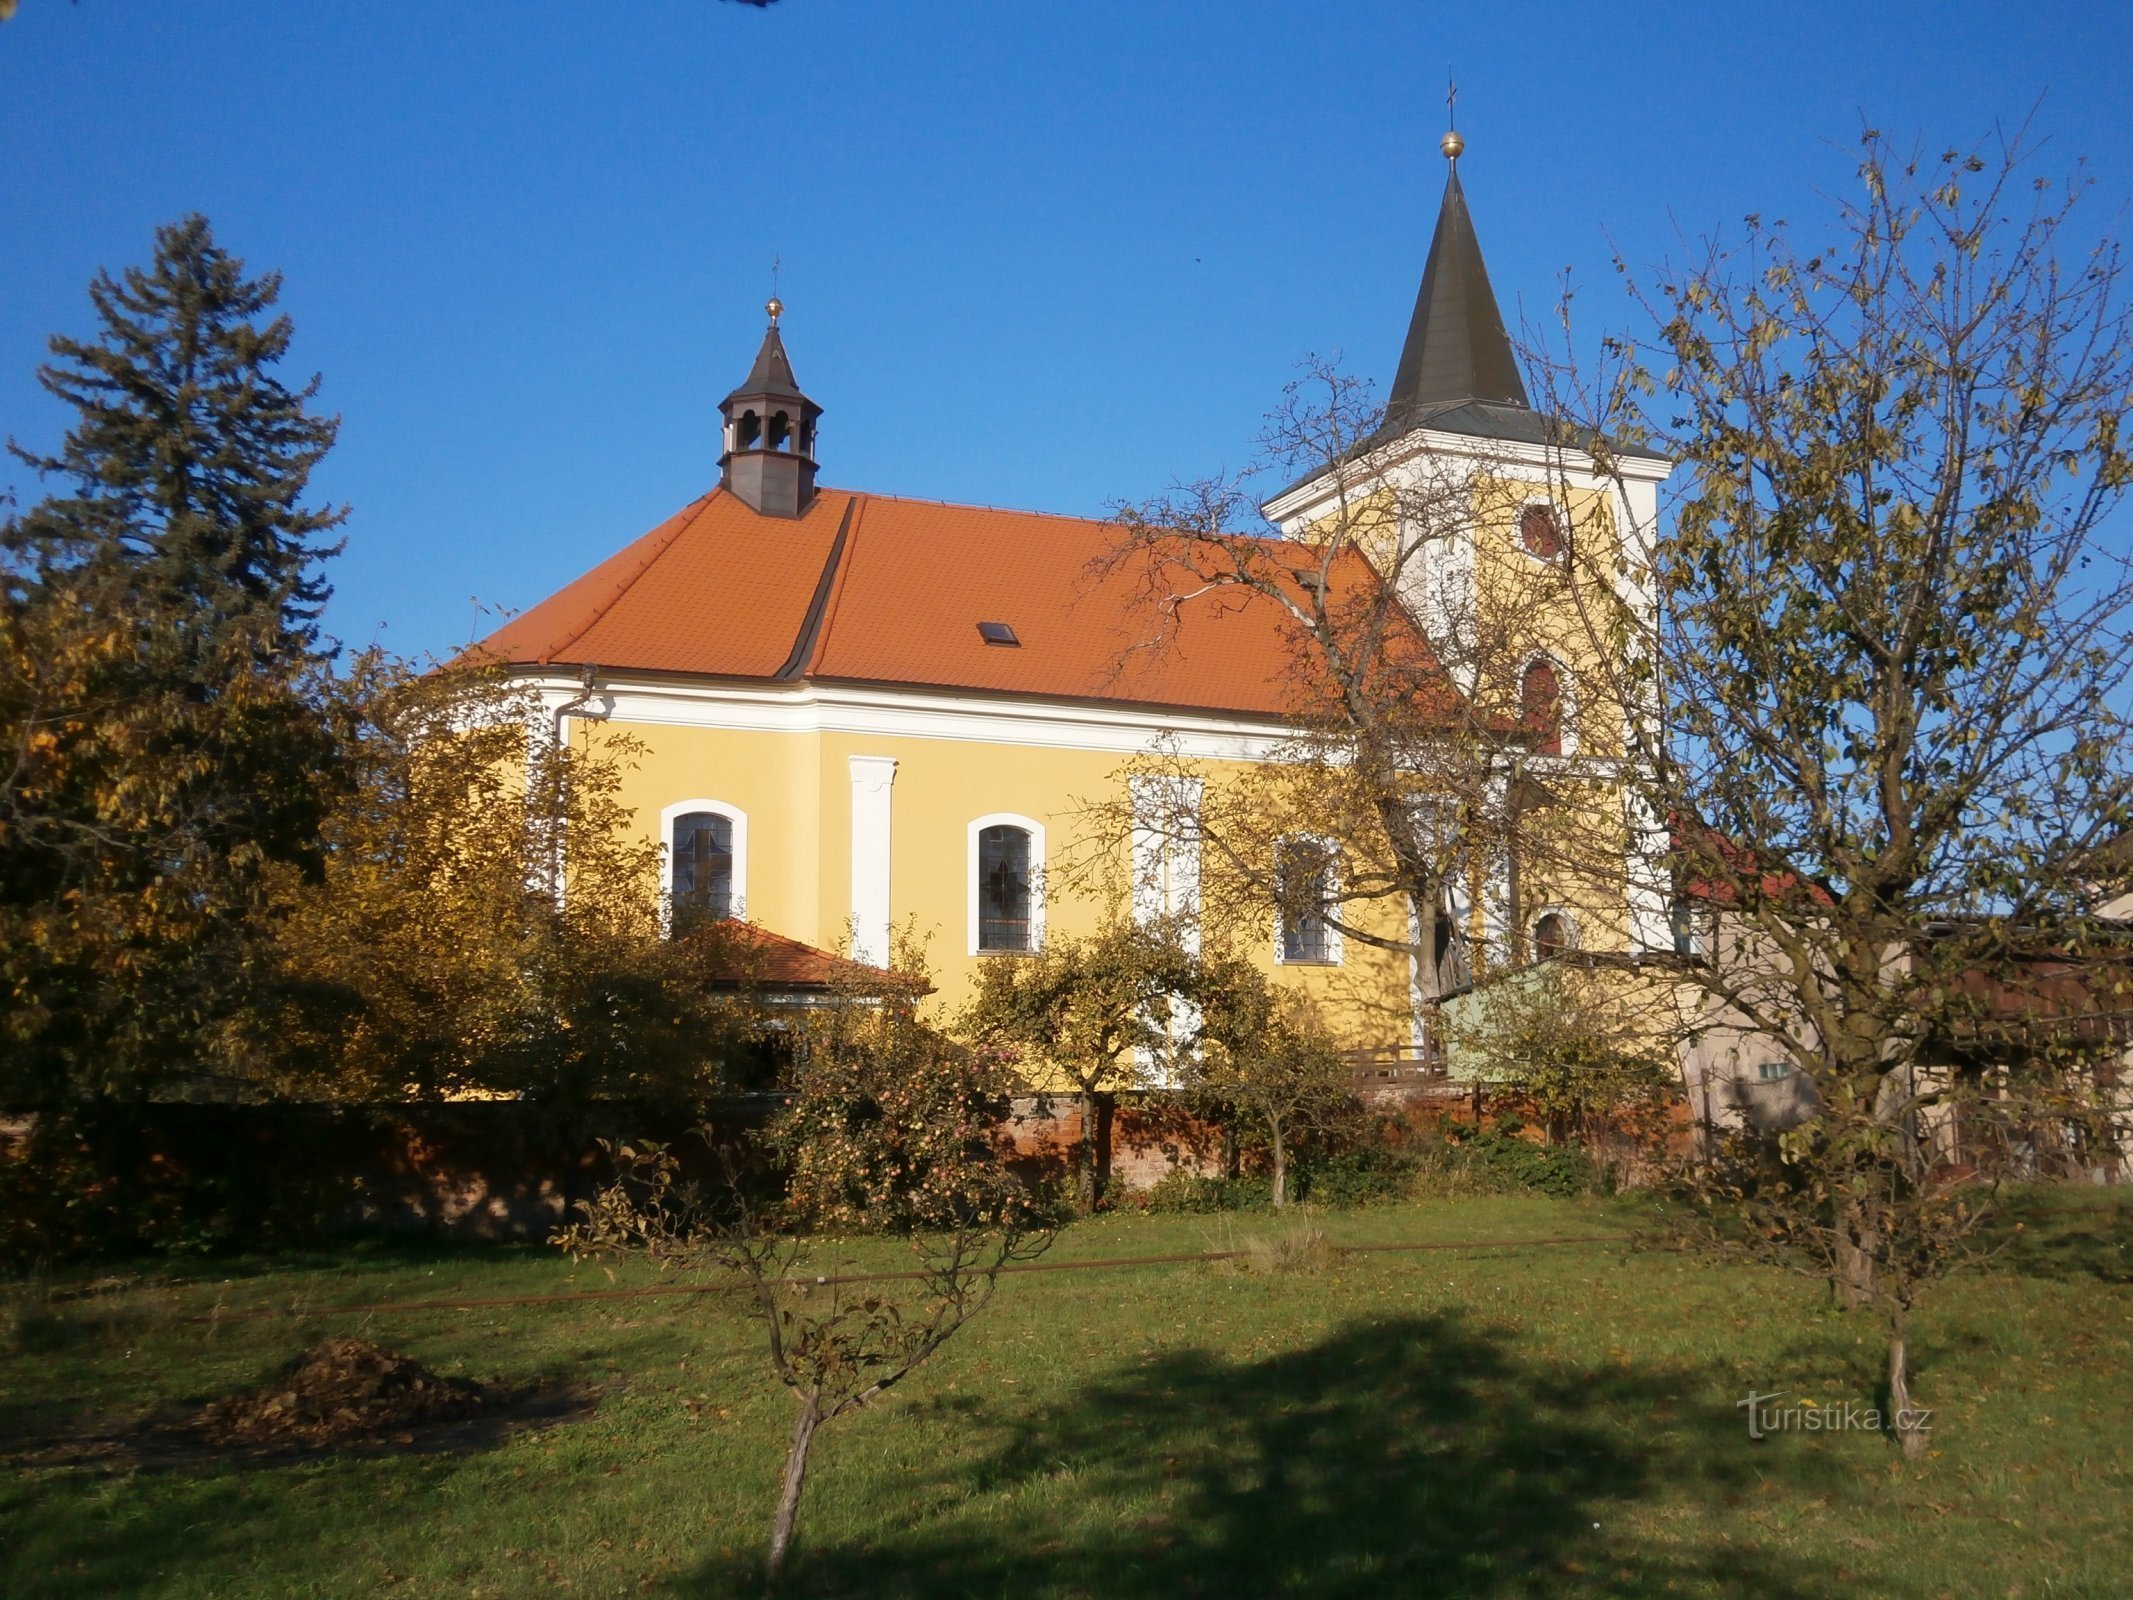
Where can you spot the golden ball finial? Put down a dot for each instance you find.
(775, 307)
(1451, 144)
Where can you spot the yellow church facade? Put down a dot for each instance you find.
(858, 715)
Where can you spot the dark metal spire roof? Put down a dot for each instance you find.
(1456, 345)
(1457, 372)
(772, 373)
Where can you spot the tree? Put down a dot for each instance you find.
(1888, 669)
(1590, 1054)
(1091, 1011)
(890, 1123)
(1264, 1056)
(190, 457)
(437, 953)
(890, 1126)
(159, 679)
(1426, 673)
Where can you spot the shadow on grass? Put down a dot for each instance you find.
(1416, 1456)
(61, 1552)
(2086, 1243)
(353, 1259)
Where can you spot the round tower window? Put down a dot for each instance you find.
(1540, 532)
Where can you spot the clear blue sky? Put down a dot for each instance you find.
(1043, 256)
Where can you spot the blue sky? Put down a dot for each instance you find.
(1043, 256)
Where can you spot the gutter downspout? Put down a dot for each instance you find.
(577, 703)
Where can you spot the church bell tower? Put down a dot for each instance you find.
(769, 428)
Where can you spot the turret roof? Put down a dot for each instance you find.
(772, 373)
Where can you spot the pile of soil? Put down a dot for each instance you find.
(342, 1390)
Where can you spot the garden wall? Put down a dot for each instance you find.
(185, 1175)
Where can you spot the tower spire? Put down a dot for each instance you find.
(769, 459)
(1456, 345)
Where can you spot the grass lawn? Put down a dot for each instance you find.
(1548, 1421)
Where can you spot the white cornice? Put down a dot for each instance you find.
(887, 711)
(1307, 499)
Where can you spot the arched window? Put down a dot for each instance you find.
(1551, 935)
(706, 865)
(703, 867)
(780, 431)
(1304, 885)
(1540, 703)
(1004, 888)
(1540, 531)
(747, 429)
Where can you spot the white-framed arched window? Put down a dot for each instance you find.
(1005, 878)
(1307, 884)
(1547, 705)
(703, 861)
(1552, 931)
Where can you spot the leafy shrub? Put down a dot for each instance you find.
(182, 1180)
(1367, 1175)
(1460, 1160)
(1182, 1193)
(1516, 1163)
(1187, 1194)
(896, 1127)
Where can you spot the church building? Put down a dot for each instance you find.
(861, 711)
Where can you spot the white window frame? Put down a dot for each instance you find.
(1562, 531)
(1166, 867)
(1336, 945)
(1574, 937)
(1035, 830)
(1566, 700)
(672, 814)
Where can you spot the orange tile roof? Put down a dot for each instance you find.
(746, 955)
(877, 589)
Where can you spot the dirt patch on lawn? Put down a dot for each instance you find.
(342, 1397)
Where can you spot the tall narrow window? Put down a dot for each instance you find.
(1003, 888)
(1303, 875)
(1540, 695)
(703, 867)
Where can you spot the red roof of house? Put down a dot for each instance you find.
(876, 589)
(748, 955)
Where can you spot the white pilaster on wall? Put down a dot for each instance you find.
(872, 779)
(1650, 900)
(1166, 884)
(1496, 889)
(1417, 1009)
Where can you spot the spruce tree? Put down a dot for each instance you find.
(163, 686)
(190, 457)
